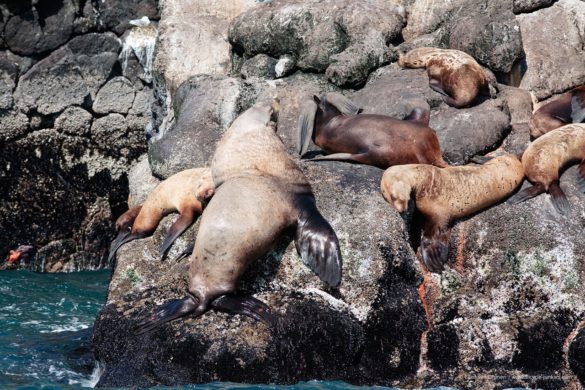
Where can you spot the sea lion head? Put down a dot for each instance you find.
(397, 193)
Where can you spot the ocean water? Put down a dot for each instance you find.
(45, 333)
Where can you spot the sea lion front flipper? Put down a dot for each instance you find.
(435, 248)
(358, 158)
(173, 309)
(306, 126)
(558, 197)
(436, 86)
(316, 242)
(527, 193)
(577, 109)
(247, 306)
(186, 219)
(188, 251)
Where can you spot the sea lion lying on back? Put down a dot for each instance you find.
(185, 192)
(260, 195)
(546, 157)
(452, 73)
(568, 108)
(333, 124)
(444, 195)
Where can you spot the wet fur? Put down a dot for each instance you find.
(371, 139)
(568, 108)
(453, 73)
(547, 156)
(445, 195)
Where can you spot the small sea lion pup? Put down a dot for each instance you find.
(333, 124)
(185, 192)
(445, 195)
(452, 73)
(568, 108)
(260, 195)
(546, 157)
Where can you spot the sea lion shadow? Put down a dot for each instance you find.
(261, 273)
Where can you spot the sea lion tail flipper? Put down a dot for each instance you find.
(527, 193)
(186, 252)
(247, 306)
(317, 243)
(306, 126)
(558, 197)
(419, 115)
(186, 219)
(435, 249)
(342, 103)
(173, 309)
(577, 109)
(358, 158)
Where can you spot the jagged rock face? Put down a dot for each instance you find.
(555, 63)
(319, 333)
(345, 39)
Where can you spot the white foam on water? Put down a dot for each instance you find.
(140, 41)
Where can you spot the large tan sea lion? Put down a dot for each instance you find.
(260, 195)
(185, 192)
(333, 123)
(544, 159)
(452, 73)
(443, 195)
(568, 108)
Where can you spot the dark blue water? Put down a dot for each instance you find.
(45, 331)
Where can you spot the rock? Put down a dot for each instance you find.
(8, 74)
(117, 95)
(71, 75)
(109, 132)
(39, 28)
(284, 66)
(464, 133)
(317, 335)
(511, 297)
(117, 14)
(346, 39)
(576, 353)
(13, 124)
(519, 103)
(259, 66)
(141, 182)
(142, 103)
(74, 121)
(555, 63)
(194, 45)
(426, 16)
(521, 6)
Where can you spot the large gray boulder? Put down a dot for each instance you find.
(319, 333)
(345, 39)
(555, 62)
(71, 75)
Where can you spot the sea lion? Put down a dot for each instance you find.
(333, 124)
(260, 195)
(546, 157)
(444, 195)
(452, 73)
(568, 108)
(185, 192)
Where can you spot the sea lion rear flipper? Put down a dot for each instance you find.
(577, 109)
(342, 103)
(248, 306)
(173, 309)
(436, 86)
(305, 126)
(122, 238)
(358, 158)
(527, 193)
(435, 248)
(186, 252)
(558, 197)
(316, 242)
(182, 223)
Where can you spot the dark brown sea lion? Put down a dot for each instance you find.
(444, 195)
(546, 157)
(568, 108)
(260, 195)
(333, 124)
(185, 192)
(452, 73)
